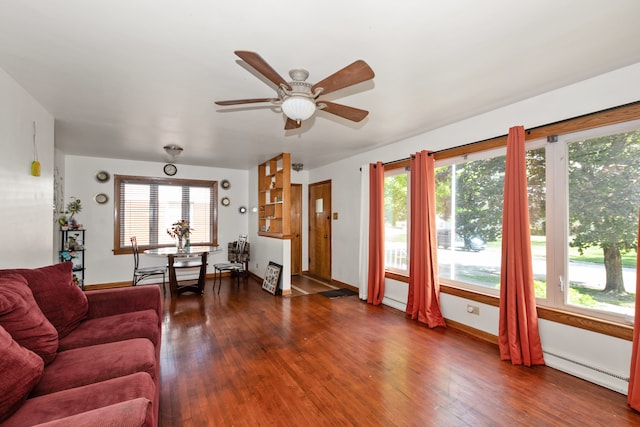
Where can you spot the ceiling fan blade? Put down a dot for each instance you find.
(247, 101)
(291, 124)
(349, 113)
(261, 66)
(350, 75)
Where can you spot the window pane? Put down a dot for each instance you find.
(537, 193)
(169, 210)
(469, 208)
(396, 221)
(604, 196)
(134, 219)
(200, 213)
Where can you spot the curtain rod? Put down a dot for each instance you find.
(630, 111)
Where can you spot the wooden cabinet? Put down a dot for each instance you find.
(274, 197)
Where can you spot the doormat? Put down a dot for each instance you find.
(338, 293)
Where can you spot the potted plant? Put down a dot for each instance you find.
(74, 207)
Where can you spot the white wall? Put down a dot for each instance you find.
(26, 201)
(606, 91)
(102, 266)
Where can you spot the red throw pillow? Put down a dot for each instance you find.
(61, 301)
(20, 371)
(23, 319)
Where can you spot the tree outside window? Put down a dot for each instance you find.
(396, 220)
(604, 198)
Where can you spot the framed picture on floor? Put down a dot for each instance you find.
(273, 279)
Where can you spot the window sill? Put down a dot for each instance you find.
(568, 318)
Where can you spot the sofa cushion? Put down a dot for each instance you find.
(132, 413)
(53, 406)
(87, 365)
(20, 371)
(61, 301)
(23, 319)
(119, 327)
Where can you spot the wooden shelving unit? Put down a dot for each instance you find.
(274, 199)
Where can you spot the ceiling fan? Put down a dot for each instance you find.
(298, 98)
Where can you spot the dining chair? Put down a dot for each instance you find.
(140, 273)
(238, 257)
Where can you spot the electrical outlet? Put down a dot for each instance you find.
(473, 309)
(256, 265)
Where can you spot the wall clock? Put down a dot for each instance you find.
(225, 201)
(170, 169)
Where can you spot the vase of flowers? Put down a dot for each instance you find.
(180, 231)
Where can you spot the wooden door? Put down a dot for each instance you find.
(296, 229)
(320, 229)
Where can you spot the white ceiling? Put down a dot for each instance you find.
(123, 78)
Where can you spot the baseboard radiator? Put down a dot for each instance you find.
(588, 372)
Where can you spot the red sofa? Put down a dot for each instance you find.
(69, 357)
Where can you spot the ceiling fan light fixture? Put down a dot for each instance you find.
(298, 108)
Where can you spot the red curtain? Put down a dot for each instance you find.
(633, 397)
(518, 336)
(424, 287)
(376, 234)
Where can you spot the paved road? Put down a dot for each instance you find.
(585, 273)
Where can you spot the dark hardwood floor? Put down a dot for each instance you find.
(247, 358)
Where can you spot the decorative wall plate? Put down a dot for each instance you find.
(242, 210)
(225, 184)
(225, 201)
(103, 176)
(101, 198)
(170, 169)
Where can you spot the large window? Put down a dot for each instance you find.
(584, 196)
(396, 220)
(469, 194)
(593, 220)
(147, 207)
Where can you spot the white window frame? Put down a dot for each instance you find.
(480, 155)
(397, 171)
(557, 218)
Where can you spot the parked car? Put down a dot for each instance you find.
(474, 243)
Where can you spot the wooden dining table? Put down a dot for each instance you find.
(188, 258)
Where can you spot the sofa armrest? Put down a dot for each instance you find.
(131, 413)
(109, 302)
